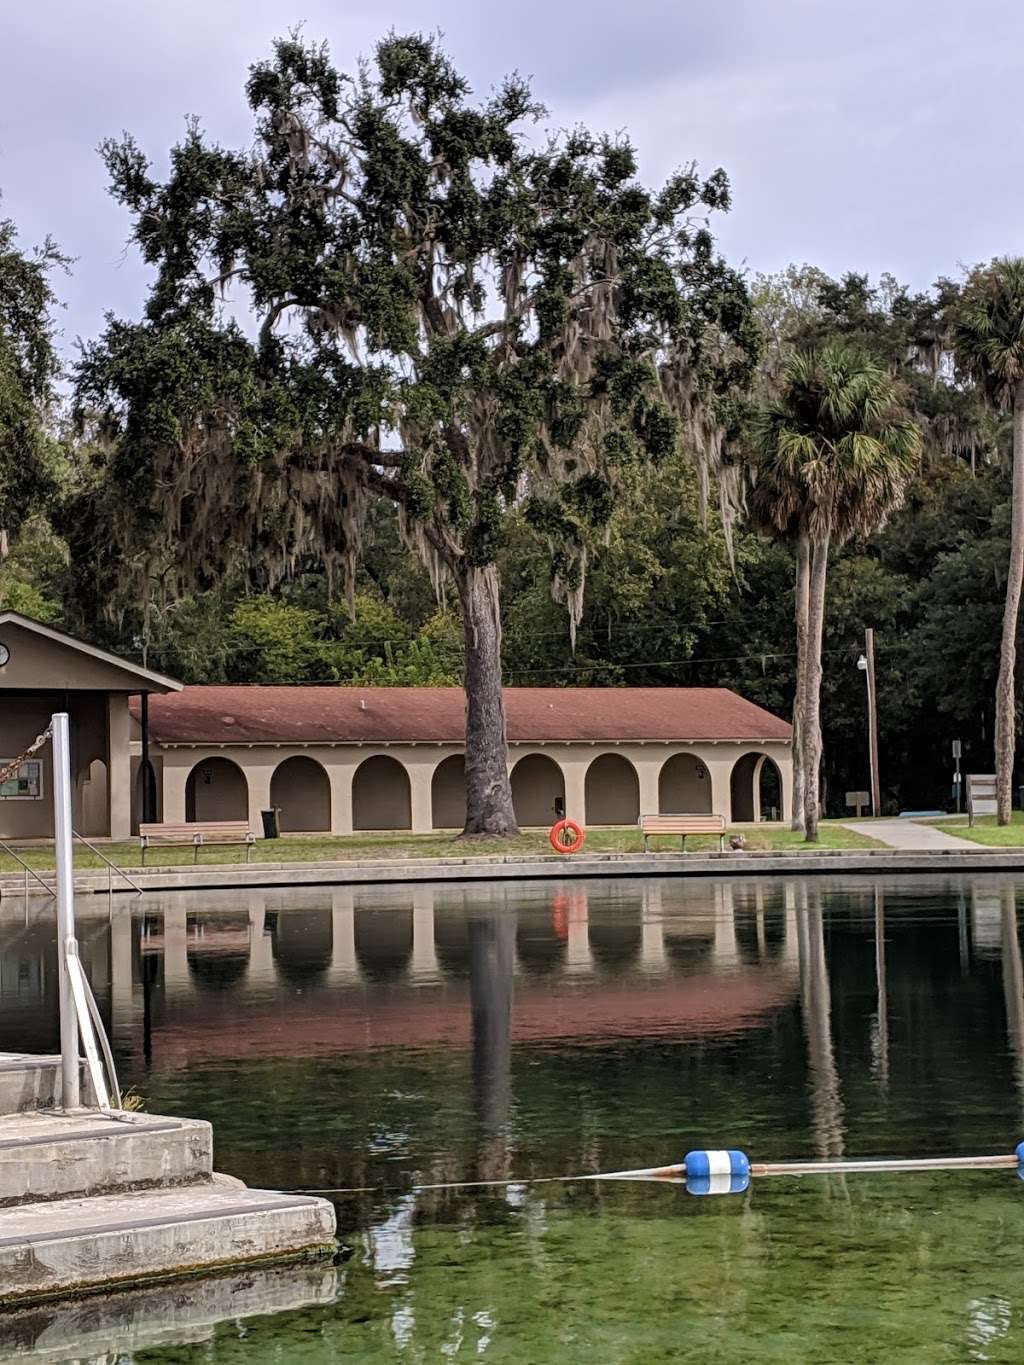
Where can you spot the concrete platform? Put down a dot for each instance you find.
(28, 1081)
(115, 1326)
(73, 1246)
(48, 1155)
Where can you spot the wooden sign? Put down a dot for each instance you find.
(858, 799)
(981, 795)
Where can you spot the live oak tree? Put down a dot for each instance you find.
(988, 335)
(29, 368)
(435, 303)
(835, 453)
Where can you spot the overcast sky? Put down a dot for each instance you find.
(858, 134)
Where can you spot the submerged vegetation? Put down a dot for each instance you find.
(422, 395)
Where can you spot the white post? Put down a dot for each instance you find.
(70, 1097)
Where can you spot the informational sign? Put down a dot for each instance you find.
(858, 799)
(981, 794)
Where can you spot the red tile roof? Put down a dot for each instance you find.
(369, 715)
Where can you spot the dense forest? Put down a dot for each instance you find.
(687, 581)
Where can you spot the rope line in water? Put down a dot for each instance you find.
(712, 1172)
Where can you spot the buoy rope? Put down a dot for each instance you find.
(676, 1174)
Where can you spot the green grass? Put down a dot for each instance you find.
(986, 831)
(324, 848)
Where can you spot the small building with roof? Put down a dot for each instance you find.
(342, 760)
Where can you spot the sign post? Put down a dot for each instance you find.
(957, 752)
(858, 799)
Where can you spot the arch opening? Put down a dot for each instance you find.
(612, 791)
(381, 795)
(684, 786)
(301, 789)
(216, 789)
(448, 793)
(537, 782)
(755, 788)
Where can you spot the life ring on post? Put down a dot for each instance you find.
(566, 836)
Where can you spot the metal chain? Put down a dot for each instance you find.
(10, 769)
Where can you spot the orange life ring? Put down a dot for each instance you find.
(558, 841)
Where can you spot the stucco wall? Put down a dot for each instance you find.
(302, 790)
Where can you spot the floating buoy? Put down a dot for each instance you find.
(566, 836)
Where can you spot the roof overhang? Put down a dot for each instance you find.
(148, 680)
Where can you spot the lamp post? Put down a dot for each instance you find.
(866, 663)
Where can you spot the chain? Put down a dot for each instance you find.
(10, 770)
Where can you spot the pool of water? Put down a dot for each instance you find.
(366, 1041)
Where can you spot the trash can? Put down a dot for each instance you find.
(271, 822)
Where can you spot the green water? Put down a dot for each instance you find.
(341, 1040)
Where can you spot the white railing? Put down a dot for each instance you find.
(80, 1021)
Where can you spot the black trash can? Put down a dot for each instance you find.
(271, 822)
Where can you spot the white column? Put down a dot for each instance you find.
(340, 772)
(574, 773)
(175, 771)
(648, 771)
(258, 772)
(784, 762)
(119, 767)
(421, 771)
(720, 767)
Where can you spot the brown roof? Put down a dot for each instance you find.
(376, 715)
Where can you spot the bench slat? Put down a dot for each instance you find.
(196, 833)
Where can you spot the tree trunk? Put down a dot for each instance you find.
(812, 689)
(488, 790)
(1006, 701)
(803, 574)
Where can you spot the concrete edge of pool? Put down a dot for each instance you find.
(525, 867)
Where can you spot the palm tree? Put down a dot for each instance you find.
(833, 457)
(988, 340)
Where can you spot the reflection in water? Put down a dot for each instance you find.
(385, 1036)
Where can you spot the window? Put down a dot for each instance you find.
(26, 785)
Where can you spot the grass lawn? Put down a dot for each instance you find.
(325, 848)
(986, 831)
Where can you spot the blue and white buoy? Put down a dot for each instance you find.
(717, 1172)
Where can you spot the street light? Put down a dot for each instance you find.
(866, 664)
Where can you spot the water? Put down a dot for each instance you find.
(366, 1041)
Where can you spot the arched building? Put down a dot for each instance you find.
(348, 759)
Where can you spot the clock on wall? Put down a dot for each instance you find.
(5, 654)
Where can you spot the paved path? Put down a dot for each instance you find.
(908, 834)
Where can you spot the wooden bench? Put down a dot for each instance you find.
(682, 825)
(196, 835)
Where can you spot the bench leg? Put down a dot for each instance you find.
(721, 843)
(248, 852)
(195, 853)
(682, 842)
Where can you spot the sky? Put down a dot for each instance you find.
(871, 136)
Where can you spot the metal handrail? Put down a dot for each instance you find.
(110, 866)
(7, 849)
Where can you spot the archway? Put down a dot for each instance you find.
(448, 793)
(537, 782)
(216, 790)
(612, 791)
(684, 786)
(302, 790)
(381, 797)
(95, 814)
(755, 789)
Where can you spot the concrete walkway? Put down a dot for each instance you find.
(906, 835)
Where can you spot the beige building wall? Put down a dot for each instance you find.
(420, 786)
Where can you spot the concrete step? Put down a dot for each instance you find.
(73, 1246)
(50, 1155)
(28, 1081)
